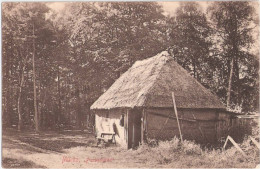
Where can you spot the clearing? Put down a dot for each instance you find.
(76, 149)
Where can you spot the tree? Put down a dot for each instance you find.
(107, 38)
(190, 42)
(233, 22)
(7, 62)
(30, 35)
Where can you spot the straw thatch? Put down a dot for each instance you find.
(150, 82)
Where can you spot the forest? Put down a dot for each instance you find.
(55, 64)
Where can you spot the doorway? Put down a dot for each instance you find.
(134, 128)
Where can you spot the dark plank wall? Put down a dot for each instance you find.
(199, 125)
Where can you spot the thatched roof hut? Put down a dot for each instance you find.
(139, 103)
(149, 83)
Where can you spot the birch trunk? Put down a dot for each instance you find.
(19, 107)
(36, 115)
(230, 82)
(20, 121)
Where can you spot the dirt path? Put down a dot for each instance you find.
(28, 150)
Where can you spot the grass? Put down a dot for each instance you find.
(188, 154)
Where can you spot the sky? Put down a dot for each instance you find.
(57, 6)
(169, 7)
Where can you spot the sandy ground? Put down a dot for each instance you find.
(64, 150)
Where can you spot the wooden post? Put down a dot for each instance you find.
(255, 142)
(142, 127)
(127, 128)
(133, 134)
(235, 144)
(145, 125)
(176, 114)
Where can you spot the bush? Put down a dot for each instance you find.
(173, 144)
(143, 148)
(190, 148)
(255, 128)
(187, 147)
(188, 154)
(152, 142)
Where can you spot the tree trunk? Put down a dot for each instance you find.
(36, 115)
(236, 82)
(194, 69)
(59, 97)
(233, 55)
(41, 105)
(67, 108)
(6, 107)
(6, 97)
(230, 82)
(19, 107)
(6, 116)
(78, 110)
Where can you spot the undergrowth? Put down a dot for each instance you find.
(174, 154)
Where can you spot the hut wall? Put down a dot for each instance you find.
(241, 127)
(223, 125)
(196, 124)
(231, 124)
(104, 120)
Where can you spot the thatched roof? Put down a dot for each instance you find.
(150, 82)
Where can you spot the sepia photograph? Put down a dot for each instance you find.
(130, 84)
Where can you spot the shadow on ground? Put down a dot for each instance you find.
(51, 141)
(19, 163)
(53, 145)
